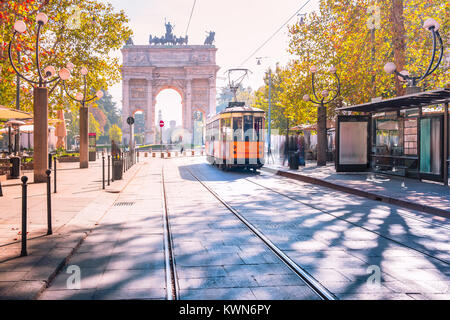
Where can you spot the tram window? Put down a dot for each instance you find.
(258, 128)
(215, 131)
(225, 129)
(237, 128)
(248, 126)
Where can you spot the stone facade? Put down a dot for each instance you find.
(149, 69)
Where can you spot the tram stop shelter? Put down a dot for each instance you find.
(406, 136)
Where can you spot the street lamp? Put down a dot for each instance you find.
(65, 75)
(322, 114)
(40, 98)
(269, 140)
(390, 67)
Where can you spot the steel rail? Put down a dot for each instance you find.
(171, 274)
(353, 223)
(310, 281)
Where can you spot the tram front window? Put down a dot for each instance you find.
(248, 126)
(258, 128)
(237, 128)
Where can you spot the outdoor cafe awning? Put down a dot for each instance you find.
(8, 113)
(410, 101)
(24, 129)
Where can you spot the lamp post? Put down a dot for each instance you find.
(412, 81)
(269, 140)
(84, 111)
(322, 114)
(40, 98)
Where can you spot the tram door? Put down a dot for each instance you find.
(352, 143)
(431, 148)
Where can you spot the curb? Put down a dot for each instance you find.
(360, 193)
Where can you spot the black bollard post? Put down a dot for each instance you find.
(103, 172)
(112, 168)
(54, 177)
(109, 168)
(50, 160)
(24, 216)
(49, 204)
(1, 192)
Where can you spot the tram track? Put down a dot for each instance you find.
(169, 256)
(322, 292)
(353, 223)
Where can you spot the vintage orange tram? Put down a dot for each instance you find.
(235, 137)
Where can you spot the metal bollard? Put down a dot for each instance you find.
(103, 172)
(1, 192)
(54, 170)
(49, 204)
(112, 168)
(109, 168)
(24, 216)
(50, 160)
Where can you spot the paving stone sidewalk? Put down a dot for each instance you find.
(123, 256)
(77, 206)
(392, 188)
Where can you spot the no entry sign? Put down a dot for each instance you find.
(161, 123)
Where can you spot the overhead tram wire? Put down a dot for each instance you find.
(190, 18)
(275, 33)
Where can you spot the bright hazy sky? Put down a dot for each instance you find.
(241, 26)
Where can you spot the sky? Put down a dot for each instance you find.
(241, 26)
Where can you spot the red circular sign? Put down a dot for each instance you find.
(161, 123)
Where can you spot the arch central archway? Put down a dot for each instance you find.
(149, 70)
(169, 108)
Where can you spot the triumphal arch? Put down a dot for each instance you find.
(168, 62)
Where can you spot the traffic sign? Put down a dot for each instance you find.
(161, 124)
(130, 120)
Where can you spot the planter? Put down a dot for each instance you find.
(69, 159)
(27, 166)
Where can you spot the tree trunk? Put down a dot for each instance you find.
(398, 40)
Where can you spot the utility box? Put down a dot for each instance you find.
(117, 168)
(293, 160)
(92, 146)
(15, 167)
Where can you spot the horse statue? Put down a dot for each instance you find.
(129, 42)
(210, 38)
(181, 40)
(168, 38)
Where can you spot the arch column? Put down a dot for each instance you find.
(212, 97)
(150, 114)
(187, 106)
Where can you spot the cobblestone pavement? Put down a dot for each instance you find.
(123, 257)
(216, 255)
(428, 194)
(79, 203)
(116, 242)
(340, 239)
